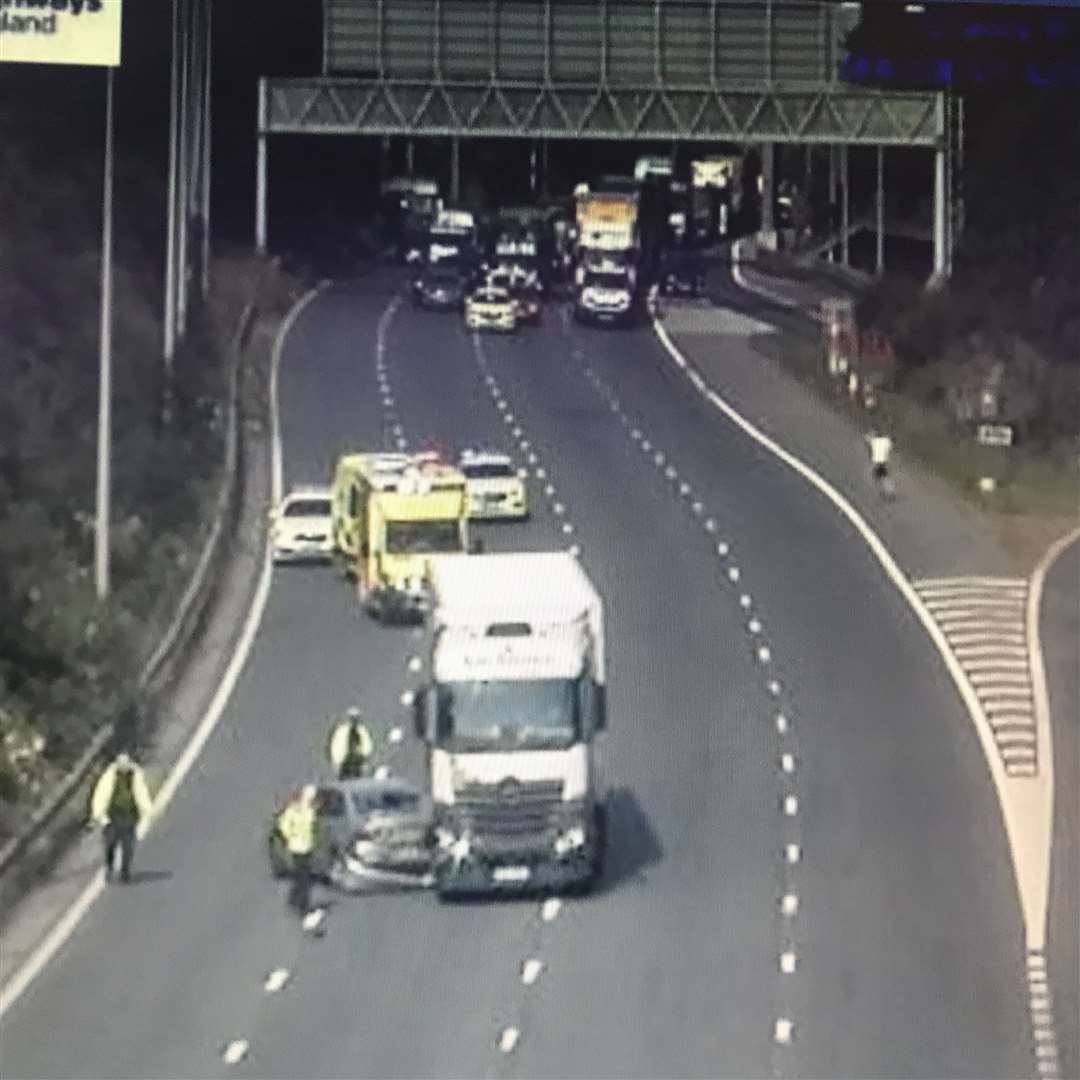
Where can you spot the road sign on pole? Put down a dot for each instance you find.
(85, 32)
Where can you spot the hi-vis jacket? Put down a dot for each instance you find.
(298, 824)
(101, 802)
(344, 745)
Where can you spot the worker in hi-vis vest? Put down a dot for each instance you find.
(121, 799)
(298, 824)
(351, 746)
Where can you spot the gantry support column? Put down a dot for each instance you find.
(455, 168)
(260, 171)
(767, 235)
(940, 195)
(845, 206)
(832, 197)
(880, 207)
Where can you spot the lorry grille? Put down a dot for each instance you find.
(504, 811)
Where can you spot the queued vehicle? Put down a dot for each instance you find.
(441, 286)
(524, 287)
(491, 308)
(682, 273)
(369, 827)
(300, 528)
(493, 487)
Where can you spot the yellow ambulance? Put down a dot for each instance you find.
(391, 512)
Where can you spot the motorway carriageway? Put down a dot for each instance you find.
(808, 873)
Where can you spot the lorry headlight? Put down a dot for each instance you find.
(570, 840)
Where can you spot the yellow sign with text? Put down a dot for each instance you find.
(60, 32)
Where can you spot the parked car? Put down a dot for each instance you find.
(300, 526)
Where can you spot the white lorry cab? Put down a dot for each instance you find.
(512, 718)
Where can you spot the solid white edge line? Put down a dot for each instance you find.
(71, 918)
(1023, 807)
(1045, 745)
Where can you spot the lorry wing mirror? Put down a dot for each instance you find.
(419, 707)
(600, 720)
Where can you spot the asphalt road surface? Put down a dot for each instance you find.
(887, 880)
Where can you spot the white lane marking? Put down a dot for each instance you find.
(791, 805)
(636, 435)
(402, 444)
(754, 626)
(764, 654)
(774, 687)
(787, 962)
(235, 1052)
(698, 508)
(509, 1039)
(1026, 812)
(382, 772)
(396, 735)
(733, 573)
(671, 472)
(575, 550)
(524, 444)
(559, 509)
(646, 446)
(792, 853)
(533, 459)
(541, 474)
(549, 490)
(530, 971)
(781, 723)
(516, 432)
(710, 525)
(415, 663)
(659, 459)
(313, 920)
(551, 908)
(746, 601)
(684, 489)
(783, 1030)
(276, 980)
(789, 905)
(787, 763)
(407, 698)
(722, 548)
(567, 528)
(65, 926)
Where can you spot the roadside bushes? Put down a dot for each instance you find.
(68, 664)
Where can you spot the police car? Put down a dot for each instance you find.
(300, 526)
(490, 308)
(494, 488)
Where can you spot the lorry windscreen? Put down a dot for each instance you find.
(422, 537)
(534, 714)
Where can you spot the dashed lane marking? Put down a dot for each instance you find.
(789, 905)
(508, 1039)
(235, 1052)
(551, 908)
(530, 971)
(276, 980)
